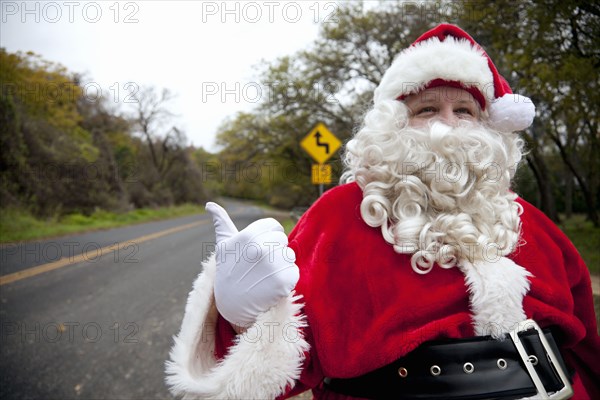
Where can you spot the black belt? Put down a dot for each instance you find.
(474, 368)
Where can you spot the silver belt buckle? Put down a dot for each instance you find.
(564, 393)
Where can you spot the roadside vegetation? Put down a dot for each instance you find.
(586, 238)
(18, 225)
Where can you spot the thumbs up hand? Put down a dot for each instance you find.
(255, 267)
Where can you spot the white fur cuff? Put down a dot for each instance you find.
(261, 364)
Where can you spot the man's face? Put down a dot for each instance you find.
(447, 104)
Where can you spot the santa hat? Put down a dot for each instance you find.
(448, 56)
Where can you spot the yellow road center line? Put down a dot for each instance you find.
(63, 262)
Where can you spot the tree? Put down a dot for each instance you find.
(44, 146)
(261, 159)
(332, 82)
(63, 152)
(149, 117)
(552, 49)
(166, 171)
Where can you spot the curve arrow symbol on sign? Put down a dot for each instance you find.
(326, 145)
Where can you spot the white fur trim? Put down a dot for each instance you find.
(496, 293)
(452, 59)
(261, 363)
(511, 112)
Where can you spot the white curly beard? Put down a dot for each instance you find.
(439, 193)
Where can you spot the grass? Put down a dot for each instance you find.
(288, 224)
(586, 239)
(18, 225)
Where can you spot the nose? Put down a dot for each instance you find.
(447, 116)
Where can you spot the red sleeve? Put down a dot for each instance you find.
(225, 337)
(311, 375)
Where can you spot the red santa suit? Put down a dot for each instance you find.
(365, 307)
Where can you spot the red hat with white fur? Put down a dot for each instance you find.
(448, 56)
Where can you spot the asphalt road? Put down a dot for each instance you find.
(101, 328)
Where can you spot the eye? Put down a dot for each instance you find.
(464, 110)
(426, 110)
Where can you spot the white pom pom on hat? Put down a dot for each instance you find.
(448, 56)
(511, 112)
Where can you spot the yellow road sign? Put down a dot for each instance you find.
(320, 143)
(321, 173)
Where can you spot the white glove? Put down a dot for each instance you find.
(255, 267)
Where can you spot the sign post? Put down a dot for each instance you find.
(320, 144)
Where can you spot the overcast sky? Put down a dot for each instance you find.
(203, 51)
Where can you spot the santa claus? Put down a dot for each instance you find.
(422, 276)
